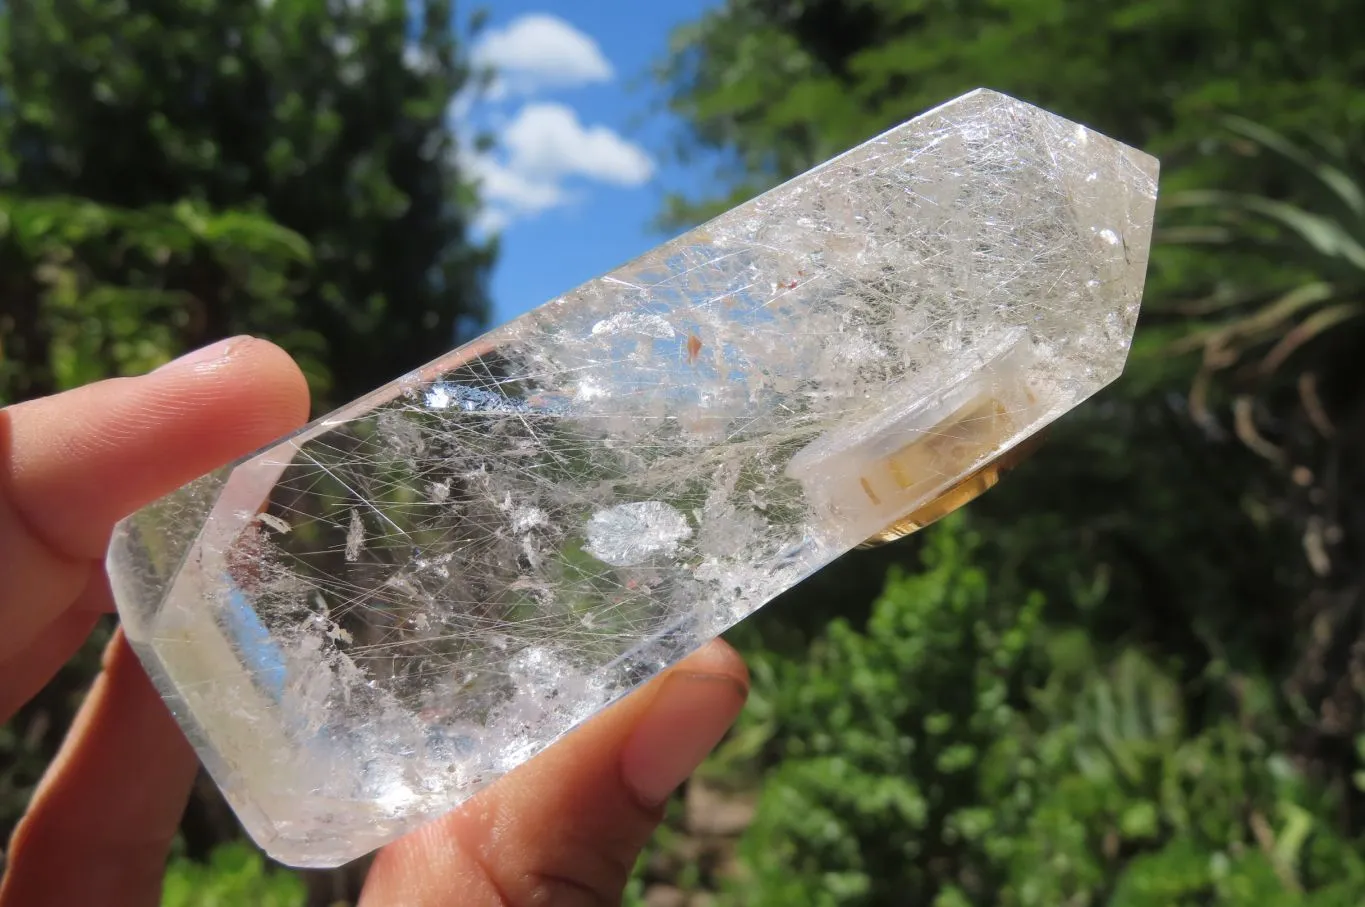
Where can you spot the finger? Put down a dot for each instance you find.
(101, 822)
(29, 670)
(22, 676)
(565, 828)
(73, 464)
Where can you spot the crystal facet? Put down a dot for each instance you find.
(363, 624)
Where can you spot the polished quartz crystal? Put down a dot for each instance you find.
(366, 622)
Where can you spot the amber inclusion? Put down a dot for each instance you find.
(960, 495)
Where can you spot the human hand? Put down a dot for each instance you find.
(564, 829)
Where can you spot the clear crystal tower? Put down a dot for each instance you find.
(363, 624)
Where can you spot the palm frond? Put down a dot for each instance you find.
(1326, 173)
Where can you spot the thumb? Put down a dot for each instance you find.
(564, 830)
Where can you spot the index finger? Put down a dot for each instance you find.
(73, 464)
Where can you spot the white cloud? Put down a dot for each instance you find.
(513, 192)
(541, 151)
(539, 51)
(547, 140)
(544, 155)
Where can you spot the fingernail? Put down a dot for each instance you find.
(206, 356)
(688, 717)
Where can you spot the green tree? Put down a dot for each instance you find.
(176, 172)
(958, 750)
(1282, 357)
(779, 85)
(234, 876)
(1194, 533)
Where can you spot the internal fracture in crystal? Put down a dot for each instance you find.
(362, 625)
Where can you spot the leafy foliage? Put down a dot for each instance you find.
(235, 876)
(1320, 229)
(779, 85)
(176, 172)
(1133, 676)
(99, 291)
(1283, 357)
(958, 750)
(1182, 725)
(222, 158)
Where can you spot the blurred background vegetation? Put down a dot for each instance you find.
(1133, 675)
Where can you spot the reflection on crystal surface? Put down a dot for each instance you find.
(364, 623)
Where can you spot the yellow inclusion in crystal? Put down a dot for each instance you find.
(883, 479)
(976, 433)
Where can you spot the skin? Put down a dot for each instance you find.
(564, 829)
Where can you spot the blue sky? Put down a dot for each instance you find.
(580, 168)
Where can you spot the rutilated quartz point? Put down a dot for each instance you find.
(363, 624)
